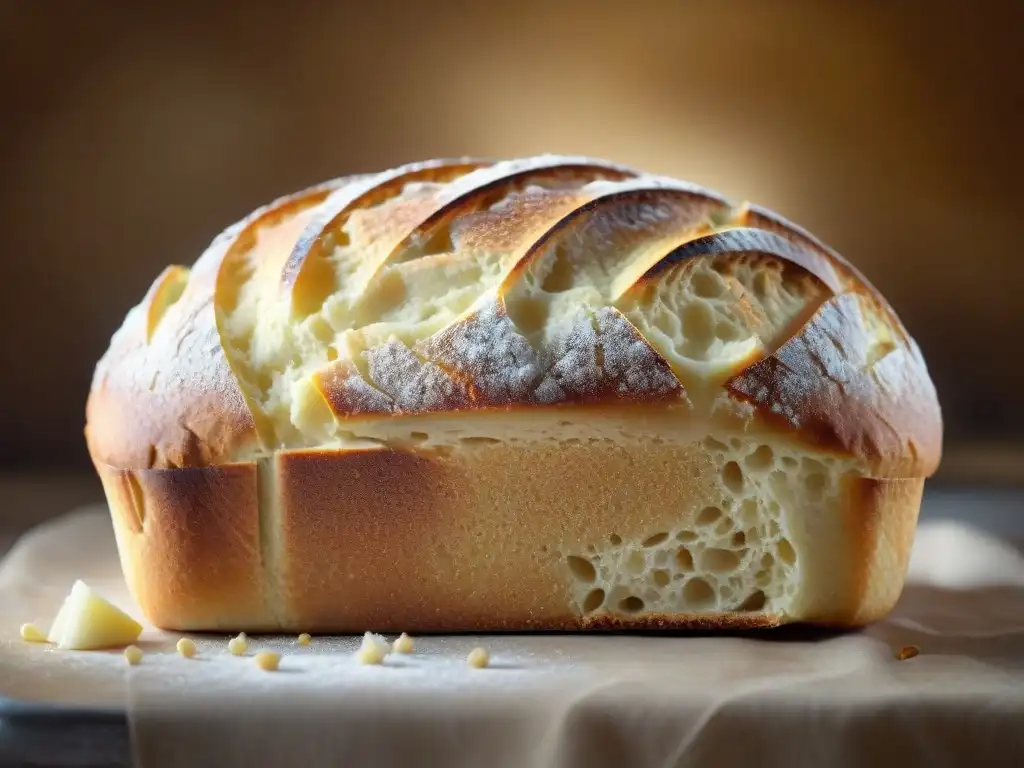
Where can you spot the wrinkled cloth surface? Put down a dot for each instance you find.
(787, 697)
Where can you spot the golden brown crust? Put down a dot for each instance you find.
(364, 549)
(668, 622)
(195, 559)
(144, 412)
(166, 396)
(886, 512)
(305, 278)
(245, 234)
(692, 208)
(489, 189)
(828, 390)
(749, 215)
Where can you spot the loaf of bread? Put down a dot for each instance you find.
(548, 393)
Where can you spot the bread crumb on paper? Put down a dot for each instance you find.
(238, 645)
(186, 647)
(403, 644)
(907, 652)
(478, 658)
(133, 655)
(30, 633)
(304, 639)
(268, 661)
(373, 650)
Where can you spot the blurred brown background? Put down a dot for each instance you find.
(130, 136)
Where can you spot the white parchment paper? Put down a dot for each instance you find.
(779, 698)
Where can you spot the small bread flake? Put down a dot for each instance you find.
(186, 647)
(478, 658)
(133, 655)
(268, 661)
(30, 633)
(238, 645)
(403, 644)
(374, 649)
(907, 652)
(304, 639)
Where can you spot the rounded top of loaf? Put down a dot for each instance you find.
(471, 288)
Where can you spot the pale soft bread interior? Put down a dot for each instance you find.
(745, 552)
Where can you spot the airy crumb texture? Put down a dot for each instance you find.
(186, 647)
(238, 645)
(304, 639)
(32, 634)
(373, 650)
(478, 658)
(907, 652)
(133, 655)
(268, 661)
(403, 644)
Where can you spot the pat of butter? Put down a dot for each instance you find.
(87, 622)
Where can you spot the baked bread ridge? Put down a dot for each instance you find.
(440, 313)
(164, 393)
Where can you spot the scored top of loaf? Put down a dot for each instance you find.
(468, 286)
